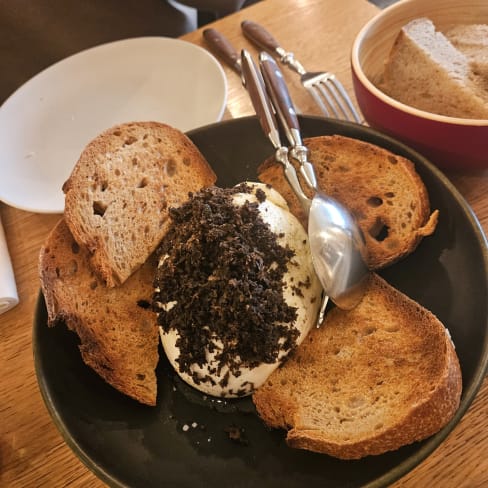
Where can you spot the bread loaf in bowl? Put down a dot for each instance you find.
(451, 143)
(427, 71)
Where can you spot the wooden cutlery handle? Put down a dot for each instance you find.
(260, 36)
(278, 91)
(221, 46)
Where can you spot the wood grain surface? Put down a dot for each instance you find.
(32, 452)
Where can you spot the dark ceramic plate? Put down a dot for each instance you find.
(127, 444)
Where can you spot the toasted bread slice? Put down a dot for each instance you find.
(424, 70)
(117, 329)
(369, 380)
(119, 193)
(381, 189)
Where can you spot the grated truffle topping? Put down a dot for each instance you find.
(221, 269)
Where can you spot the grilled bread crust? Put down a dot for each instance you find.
(382, 190)
(116, 327)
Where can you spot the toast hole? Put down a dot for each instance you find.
(378, 426)
(99, 208)
(117, 133)
(104, 185)
(369, 331)
(75, 248)
(143, 183)
(135, 162)
(389, 194)
(392, 159)
(379, 231)
(117, 172)
(392, 329)
(374, 201)
(337, 409)
(93, 285)
(171, 167)
(130, 140)
(146, 229)
(141, 376)
(143, 304)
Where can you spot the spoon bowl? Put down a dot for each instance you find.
(338, 249)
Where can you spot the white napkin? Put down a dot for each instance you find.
(8, 288)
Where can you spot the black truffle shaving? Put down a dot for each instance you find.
(222, 270)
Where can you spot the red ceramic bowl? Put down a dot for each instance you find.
(450, 143)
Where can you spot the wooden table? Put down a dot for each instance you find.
(32, 452)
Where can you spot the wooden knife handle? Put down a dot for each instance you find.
(260, 36)
(278, 91)
(222, 47)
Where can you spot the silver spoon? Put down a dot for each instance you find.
(336, 242)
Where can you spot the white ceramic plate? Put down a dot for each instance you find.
(47, 122)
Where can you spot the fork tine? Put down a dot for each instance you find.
(330, 95)
(319, 100)
(332, 98)
(344, 98)
(330, 84)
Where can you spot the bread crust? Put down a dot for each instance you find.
(382, 190)
(367, 381)
(118, 196)
(119, 339)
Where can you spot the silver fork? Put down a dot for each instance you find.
(327, 91)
